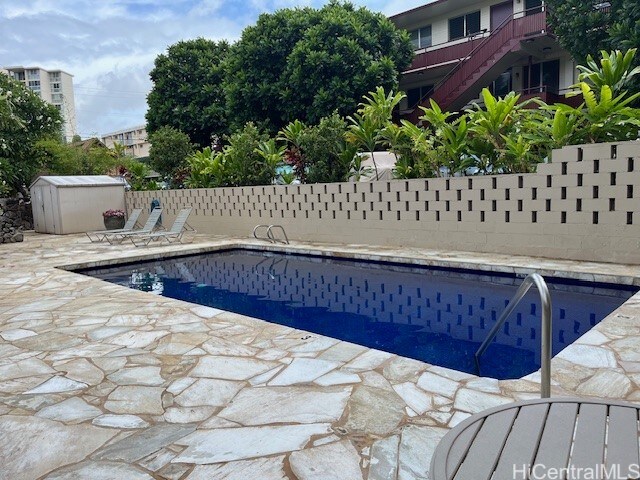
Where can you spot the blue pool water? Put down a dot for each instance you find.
(436, 315)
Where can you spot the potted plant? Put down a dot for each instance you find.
(113, 219)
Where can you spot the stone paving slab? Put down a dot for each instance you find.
(100, 381)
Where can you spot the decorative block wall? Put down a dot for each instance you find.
(582, 206)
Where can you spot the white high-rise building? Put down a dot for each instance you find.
(54, 87)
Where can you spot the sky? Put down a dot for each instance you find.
(109, 45)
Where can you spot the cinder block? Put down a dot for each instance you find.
(566, 154)
(613, 191)
(579, 218)
(597, 151)
(483, 181)
(612, 218)
(534, 205)
(559, 205)
(613, 165)
(595, 204)
(564, 181)
(520, 217)
(549, 168)
(535, 180)
(397, 185)
(629, 205)
(628, 150)
(595, 179)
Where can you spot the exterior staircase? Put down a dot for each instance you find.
(485, 62)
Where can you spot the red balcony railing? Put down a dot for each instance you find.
(477, 56)
(445, 54)
(503, 39)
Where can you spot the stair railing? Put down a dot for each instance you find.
(497, 33)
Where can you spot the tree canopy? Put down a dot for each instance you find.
(169, 150)
(187, 91)
(305, 63)
(586, 27)
(25, 119)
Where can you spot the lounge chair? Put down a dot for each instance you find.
(99, 235)
(148, 227)
(174, 234)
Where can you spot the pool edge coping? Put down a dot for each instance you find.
(350, 253)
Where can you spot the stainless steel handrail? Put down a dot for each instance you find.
(272, 236)
(545, 350)
(255, 232)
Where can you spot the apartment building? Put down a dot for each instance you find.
(462, 46)
(134, 140)
(54, 87)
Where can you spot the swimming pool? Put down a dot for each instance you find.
(436, 315)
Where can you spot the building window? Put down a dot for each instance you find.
(33, 74)
(34, 84)
(415, 95)
(55, 87)
(463, 26)
(54, 76)
(542, 77)
(421, 38)
(18, 76)
(532, 7)
(502, 85)
(56, 97)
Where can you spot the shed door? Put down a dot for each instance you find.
(500, 13)
(37, 205)
(48, 208)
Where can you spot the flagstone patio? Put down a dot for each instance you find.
(103, 382)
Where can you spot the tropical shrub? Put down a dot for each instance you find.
(206, 169)
(137, 174)
(169, 150)
(242, 163)
(327, 156)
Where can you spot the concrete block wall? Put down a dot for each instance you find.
(582, 206)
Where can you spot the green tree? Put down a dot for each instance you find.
(325, 151)
(25, 119)
(187, 91)
(169, 150)
(585, 27)
(242, 162)
(625, 32)
(58, 158)
(306, 63)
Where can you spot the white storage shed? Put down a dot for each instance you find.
(74, 204)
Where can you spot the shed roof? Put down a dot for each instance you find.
(78, 180)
